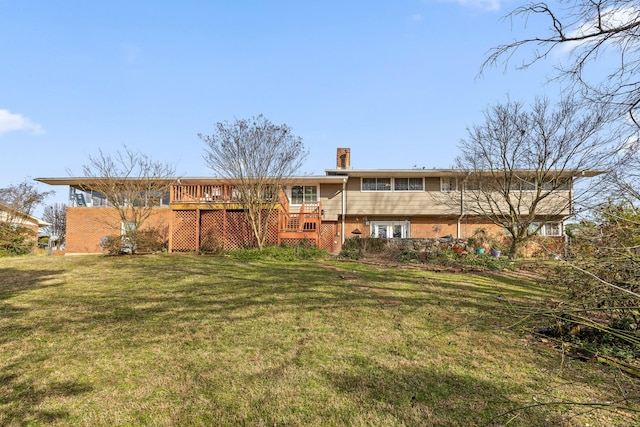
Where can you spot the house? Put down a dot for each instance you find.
(15, 218)
(206, 213)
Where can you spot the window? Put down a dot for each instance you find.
(127, 227)
(558, 183)
(448, 184)
(408, 184)
(376, 184)
(551, 229)
(473, 184)
(303, 193)
(388, 230)
(89, 198)
(548, 229)
(522, 184)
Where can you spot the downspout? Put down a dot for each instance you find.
(459, 225)
(344, 198)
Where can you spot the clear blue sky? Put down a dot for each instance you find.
(396, 81)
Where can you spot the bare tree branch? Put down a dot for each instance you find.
(255, 155)
(592, 32)
(519, 164)
(132, 182)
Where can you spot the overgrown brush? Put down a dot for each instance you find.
(301, 251)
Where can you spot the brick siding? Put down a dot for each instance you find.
(87, 226)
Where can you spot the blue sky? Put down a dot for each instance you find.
(396, 81)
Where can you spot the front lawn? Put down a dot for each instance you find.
(195, 340)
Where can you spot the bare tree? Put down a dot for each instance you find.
(133, 184)
(254, 155)
(519, 164)
(56, 216)
(603, 41)
(20, 199)
(624, 180)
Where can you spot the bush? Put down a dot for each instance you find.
(151, 240)
(356, 247)
(146, 241)
(301, 251)
(15, 240)
(113, 244)
(210, 243)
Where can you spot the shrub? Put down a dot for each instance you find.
(15, 240)
(300, 251)
(145, 241)
(364, 246)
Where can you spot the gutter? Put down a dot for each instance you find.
(462, 214)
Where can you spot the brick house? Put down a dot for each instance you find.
(203, 213)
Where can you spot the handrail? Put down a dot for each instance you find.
(205, 193)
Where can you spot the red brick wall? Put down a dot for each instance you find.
(86, 227)
(424, 227)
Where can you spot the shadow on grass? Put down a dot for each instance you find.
(434, 397)
(20, 397)
(224, 308)
(15, 281)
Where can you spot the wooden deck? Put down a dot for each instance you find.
(294, 223)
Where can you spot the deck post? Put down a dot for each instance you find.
(197, 229)
(170, 231)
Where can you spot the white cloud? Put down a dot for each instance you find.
(16, 122)
(611, 18)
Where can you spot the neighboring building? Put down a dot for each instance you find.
(19, 219)
(204, 213)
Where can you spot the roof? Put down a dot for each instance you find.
(331, 176)
(30, 218)
(439, 172)
(79, 181)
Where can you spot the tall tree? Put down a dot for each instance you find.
(133, 183)
(56, 216)
(520, 161)
(254, 155)
(602, 38)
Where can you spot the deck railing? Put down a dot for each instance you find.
(306, 220)
(205, 193)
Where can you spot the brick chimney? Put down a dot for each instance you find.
(343, 158)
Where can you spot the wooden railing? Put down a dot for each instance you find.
(204, 193)
(306, 220)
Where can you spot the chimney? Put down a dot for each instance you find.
(343, 158)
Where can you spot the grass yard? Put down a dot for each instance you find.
(194, 340)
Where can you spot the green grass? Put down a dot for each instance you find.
(196, 340)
